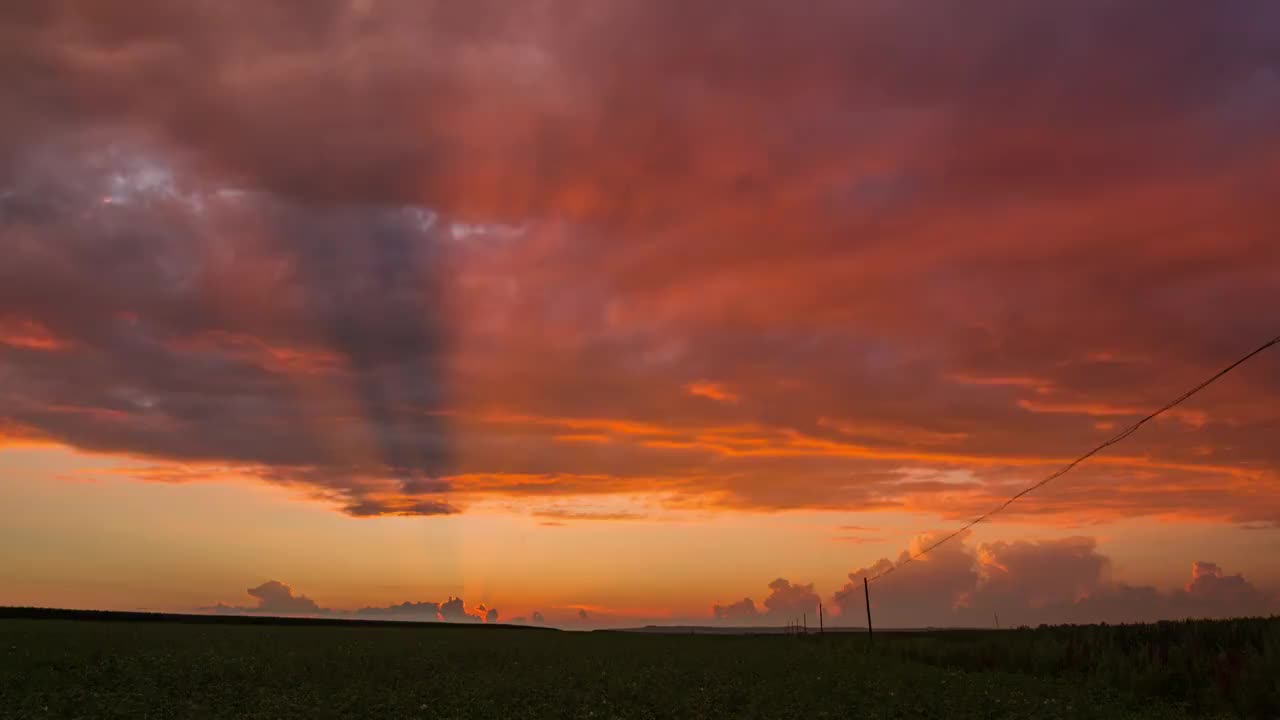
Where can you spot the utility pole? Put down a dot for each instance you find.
(866, 593)
(822, 630)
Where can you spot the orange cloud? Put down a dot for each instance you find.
(887, 432)
(247, 348)
(621, 427)
(29, 334)
(711, 391)
(1194, 418)
(1038, 384)
(557, 514)
(583, 438)
(13, 435)
(1093, 409)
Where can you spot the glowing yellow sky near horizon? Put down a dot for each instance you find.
(73, 537)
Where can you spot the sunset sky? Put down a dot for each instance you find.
(628, 311)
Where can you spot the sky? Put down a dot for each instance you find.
(606, 312)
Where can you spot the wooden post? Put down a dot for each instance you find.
(822, 630)
(866, 593)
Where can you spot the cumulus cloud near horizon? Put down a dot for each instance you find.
(1034, 582)
(277, 598)
(959, 584)
(1023, 582)
(786, 602)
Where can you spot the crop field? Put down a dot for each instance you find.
(88, 668)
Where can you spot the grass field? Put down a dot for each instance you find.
(79, 668)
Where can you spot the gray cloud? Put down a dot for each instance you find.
(369, 508)
(785, 603)
(744, 609)
(1055, 581)
(274, 596)
(415, 611)
(207, 324)
(454, 610)
(277, 598)
(790, 600)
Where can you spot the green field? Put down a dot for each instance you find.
(79, 668)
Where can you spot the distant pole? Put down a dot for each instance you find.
(997, 619)
(822, 628)
(866, 593)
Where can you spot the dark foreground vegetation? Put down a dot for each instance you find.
(94, 668)
(1219, 666)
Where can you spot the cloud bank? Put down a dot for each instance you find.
(406, 258)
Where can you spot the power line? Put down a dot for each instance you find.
(1069, 466)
